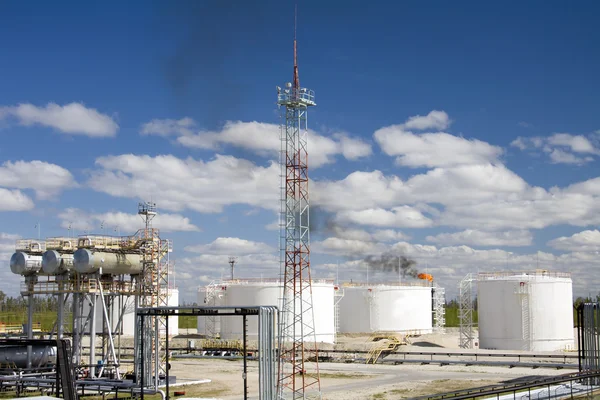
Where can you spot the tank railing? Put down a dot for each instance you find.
(394, 284)
(61, 243)
(249, 281)
(51, 286)
(292, 95)
(30, 245)
(109, 243)
(528, 274)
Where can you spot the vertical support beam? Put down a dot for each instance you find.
(30, 284)
(60, 317)
(245, 350)
(94, 298)
(168, 365)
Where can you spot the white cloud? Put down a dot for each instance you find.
(402, 216)
(434, 120)
(353, 149)
(14, 200)
(168, 127)
(176, 184)
(46, 179)
(437, 149)
(231, 246)
(468, 197)
(560, 147)
(72, 118)
(446, 186)
(258, 137)
(389, 235)
(482, 238)
(558, 156)
(585, 241)
(113, 223)
(577, 143)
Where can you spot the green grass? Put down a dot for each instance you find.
(47, 319)
(188, 322)
(452, 317)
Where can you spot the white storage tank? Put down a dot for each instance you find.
(525, 311)
(385, 307)
(129, 317)
(210, 296)
(270, 293)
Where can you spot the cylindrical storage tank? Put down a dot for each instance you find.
(25, 264)
(43, 356)
(87, 261)
(129, 316)
(54, 263)
(525, 311)
(372, 308)
(124, 304)
(210, 296)
(247, 293)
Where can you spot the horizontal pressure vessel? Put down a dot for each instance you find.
(25, 264)
(54, 263)
(41, 356)
(86, 261)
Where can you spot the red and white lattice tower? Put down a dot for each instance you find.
(298, 362)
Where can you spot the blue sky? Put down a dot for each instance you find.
(463, 135)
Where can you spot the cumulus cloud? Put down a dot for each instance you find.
(438, 149)
(177, 184)
(477, 237)
(585, 241)
(168, 127)
(561, 148)
(403, 216)
(258, 137)
(231, 246)
(121, 223)
(46, 179)
(14, 200)
(434, 120)
(468, 197)
(72, 118)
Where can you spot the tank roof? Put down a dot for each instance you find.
(523, 275)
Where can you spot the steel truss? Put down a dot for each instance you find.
(299, 371)
(465, 312)
(154, 291)
(439, 309)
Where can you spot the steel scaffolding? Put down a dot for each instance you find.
(439, 309)
(465, 312)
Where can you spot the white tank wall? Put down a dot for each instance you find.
(526, 312)
(270, 294)
(129, 317)
(365, 309)
(113, 315)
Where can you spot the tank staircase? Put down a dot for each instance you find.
(384, 343)
(338, 295)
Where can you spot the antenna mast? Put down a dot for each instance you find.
(298, 360)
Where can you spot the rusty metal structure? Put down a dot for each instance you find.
(298, 366)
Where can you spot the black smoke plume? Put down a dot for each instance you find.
(389, 262)
(207, 41)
